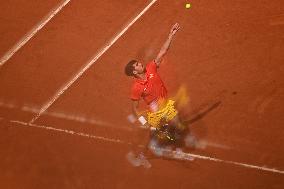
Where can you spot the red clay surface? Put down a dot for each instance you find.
(227, 52)
(20, 17)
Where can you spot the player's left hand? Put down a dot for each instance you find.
(174, 29)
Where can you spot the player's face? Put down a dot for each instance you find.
(138, 68)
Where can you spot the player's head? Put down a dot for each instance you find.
(133, 68)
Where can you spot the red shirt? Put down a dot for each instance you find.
(152, 88)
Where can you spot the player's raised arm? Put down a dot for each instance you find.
(166, 45)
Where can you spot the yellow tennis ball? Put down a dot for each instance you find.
(187, 5)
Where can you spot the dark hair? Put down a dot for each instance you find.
(129, 68)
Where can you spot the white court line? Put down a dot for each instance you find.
(182, 155)
(29, 35)
(90, 63)
(68, 132)
(62, 115)
(186, 156)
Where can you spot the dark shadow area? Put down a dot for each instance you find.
(200, 113)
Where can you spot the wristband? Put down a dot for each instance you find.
(142, 120)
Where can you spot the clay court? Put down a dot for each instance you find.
(64, 98)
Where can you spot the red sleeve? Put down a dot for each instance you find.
(136, 93)
(151, 67)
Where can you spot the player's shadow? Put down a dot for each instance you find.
(200, 113)
(192, 137)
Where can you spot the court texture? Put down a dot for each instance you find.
(64, 97)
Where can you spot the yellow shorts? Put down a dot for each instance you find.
(166, 112)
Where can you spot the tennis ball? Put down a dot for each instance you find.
(187, 5)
